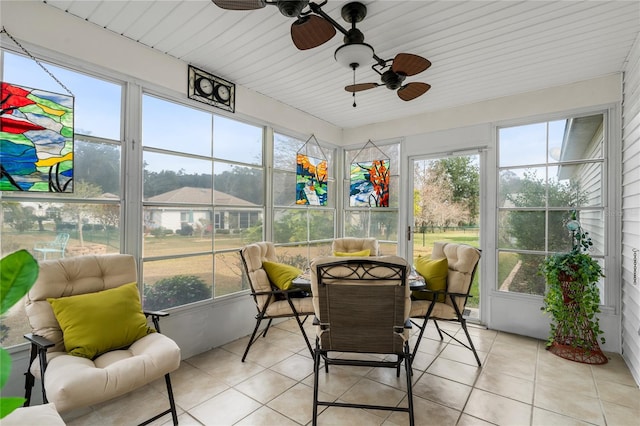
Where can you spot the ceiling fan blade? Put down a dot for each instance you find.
(311, 31)
(409, 64)
(413, 90)
(240, 4)
(360, 87)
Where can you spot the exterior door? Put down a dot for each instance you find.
(446, 207)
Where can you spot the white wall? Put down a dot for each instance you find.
(630, 211)
(582, 94)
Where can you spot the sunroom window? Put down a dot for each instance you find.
(87, 220)
(203, 199)
(302, 231)
(546, 171)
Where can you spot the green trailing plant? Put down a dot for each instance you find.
(573, 292)
(18, 272)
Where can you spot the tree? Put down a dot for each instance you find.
(98, 164)
(19, 217)
(83, 189)
(464, 178)
(527, 227)
(436, 205)
(241, 182)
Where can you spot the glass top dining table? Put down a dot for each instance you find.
(303, 281)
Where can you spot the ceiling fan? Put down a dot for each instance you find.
(313, 27)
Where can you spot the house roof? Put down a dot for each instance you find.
(190, 195)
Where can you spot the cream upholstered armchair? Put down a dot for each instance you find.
(345, 245)
(449, 304)
(90, 335)
(272, 302)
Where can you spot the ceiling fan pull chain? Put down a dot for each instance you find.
(354, 83)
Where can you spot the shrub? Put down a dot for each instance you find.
(160, 232)
(175, 291)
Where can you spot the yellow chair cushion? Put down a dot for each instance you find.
(95, 323)
(434, 272)
(362, 253)
(280, 274)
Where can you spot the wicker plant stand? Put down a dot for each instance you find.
(582, 347)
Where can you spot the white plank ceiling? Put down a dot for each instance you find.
(479, 49)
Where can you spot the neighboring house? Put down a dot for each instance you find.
(210, 209)
(584, 140)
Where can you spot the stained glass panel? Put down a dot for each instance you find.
(311, 181)
(36, 140)
(369, 184)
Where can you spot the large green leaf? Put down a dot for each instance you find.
(18, 272)
(5, 367)
(7, 405)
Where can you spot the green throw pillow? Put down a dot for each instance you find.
(363, 253)
(434, 272)
(280, 274)
(95, 323)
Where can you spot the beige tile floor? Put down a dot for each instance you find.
(520, 383)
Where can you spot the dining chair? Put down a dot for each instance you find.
(346, 246)
(448, 304)
(361, 308)
(270, 301)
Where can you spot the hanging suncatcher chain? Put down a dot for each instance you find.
(36, 61)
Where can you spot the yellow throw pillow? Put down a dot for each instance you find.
(280, 274)
(95, 323)
(434, 272)
(362, 253)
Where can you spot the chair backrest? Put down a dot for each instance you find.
(351, 244)
(462, 260)
(362, 304)
(69, 277)
(252, 257)
(61, 240)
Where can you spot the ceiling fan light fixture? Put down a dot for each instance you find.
(291, 8)
(352, 55)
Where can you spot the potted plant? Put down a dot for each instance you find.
(573, 299)
(18, 272)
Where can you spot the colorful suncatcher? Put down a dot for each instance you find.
(311, 181)
(36, 140)
(369, 184)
